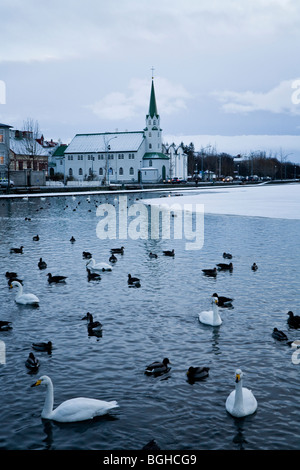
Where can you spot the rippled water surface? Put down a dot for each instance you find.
(157, 320)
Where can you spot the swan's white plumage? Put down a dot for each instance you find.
(98, 267)
(23, 298)
(211, 317)
(241, 401)
(75, 409)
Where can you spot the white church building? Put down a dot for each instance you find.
(126, 157)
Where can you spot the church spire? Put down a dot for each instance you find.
(152, 106)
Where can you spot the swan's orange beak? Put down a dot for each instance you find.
(10, 286)
(237, 378)
(38, 382)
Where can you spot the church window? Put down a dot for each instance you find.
(131, 171)
(80, 172)
(150, 146)
(100, 171)
(150, 135)
(70, 172)
(121, 172)
(150, 162)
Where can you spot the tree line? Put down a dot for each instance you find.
(255, 163)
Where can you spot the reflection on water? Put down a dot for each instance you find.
(140, 325)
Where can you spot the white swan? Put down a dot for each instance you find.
(241, 401)
(21, 298)
(211, 317)
(98, 267)
(75, 409)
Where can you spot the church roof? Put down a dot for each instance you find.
(155, 156)
(117, 141)
(152, 106)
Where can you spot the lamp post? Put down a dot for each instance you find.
(107, 148)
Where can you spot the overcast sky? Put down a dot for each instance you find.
(221, 67)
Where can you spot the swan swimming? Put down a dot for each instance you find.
(98, 267)
(241, 401)
(21, 298)
(211, 317)
(75, 409)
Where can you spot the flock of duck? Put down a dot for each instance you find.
(240, 402)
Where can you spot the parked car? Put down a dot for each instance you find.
(4, 183)
(228, 179)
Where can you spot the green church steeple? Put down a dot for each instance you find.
(152, 106)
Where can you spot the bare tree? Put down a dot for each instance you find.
(31, 134)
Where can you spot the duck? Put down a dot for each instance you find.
(87, 255)
(5, 325)
(118, 250)
(43, 346)
(254, 267)
(227, 255)
(22, 298)
(32, 363)
(73, 410)
(87, 316)
(10, 274)
(133, 281)
(17, 250)
(152, 255)
(293, 320)
(211, 317)
(197, 373)
(113, 258)
(210, 272)
(158, 367)
(98, 267)
(36, 238)
(93, 276)
(151, 445)
(279, 335)
(223, 301)
(14, 279)
(72, 240)
(93, 325)
(241, 401)
(169, 252)
(42, 264)
(225, 267)
(56, 279)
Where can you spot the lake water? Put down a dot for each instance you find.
(157, 320)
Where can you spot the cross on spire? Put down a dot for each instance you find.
(152, 69)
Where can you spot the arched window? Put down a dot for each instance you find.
(131, 171)
(121, 171)
(100, 171)
(70, 172)
(150, 146)
(111, 171)
(80, 172)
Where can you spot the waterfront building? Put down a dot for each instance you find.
(126, 157)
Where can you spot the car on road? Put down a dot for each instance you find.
(4, 183)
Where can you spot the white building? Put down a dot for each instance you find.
(126, 157)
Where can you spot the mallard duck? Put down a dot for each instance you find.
(152, 255)
(93, 276)
(210, 272)
(93, 325)
(75, 409)
(169, 252)
(223, 301)
(43, 346)
(241, 401)
(225, 267)
(17, 250)
(293, 320)
(197, 373)
(56, 279)
(42, 264)
(227, 255)
(36, 238)
(32, 362)
(86, 255)
(118, 250)
(113, 258)
(254, 267)
(158, 367)
(10, 274)
(72, 239)
(279, 335)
